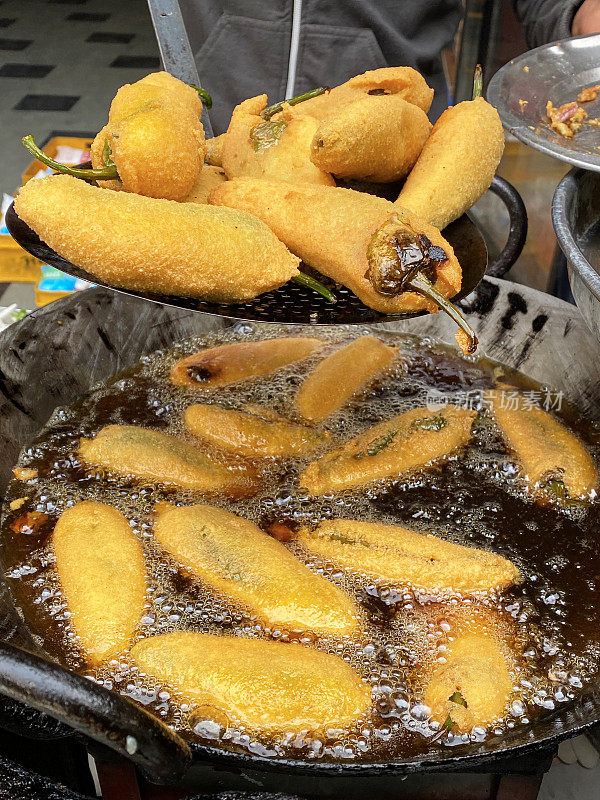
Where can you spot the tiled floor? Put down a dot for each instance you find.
(61, 62)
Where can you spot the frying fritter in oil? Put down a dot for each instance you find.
(164, 459)
(232, 363)
(272, 149)
(236, 559)
(265, 685)
(554, 460)
(252, 434)
(375, 138)
(403, 557)
(403, 82)
(209, 179)
(456, 164)
(154, 138)
(331, 229)
(100, 566)
(149, 245)
(473, 684)
(342, 375)
(405, 443)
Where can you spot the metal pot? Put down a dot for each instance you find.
(55, 355)
(576, 218)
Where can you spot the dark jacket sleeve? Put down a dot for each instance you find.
(546, 20)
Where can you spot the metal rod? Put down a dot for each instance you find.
(175, 49)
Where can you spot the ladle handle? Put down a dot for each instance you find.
(94, 711)
(517, 233)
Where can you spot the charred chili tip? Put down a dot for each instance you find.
(396, 253)
(204, 95)
(402, 260)
(270, 111)
(311, 283)
(107, 173)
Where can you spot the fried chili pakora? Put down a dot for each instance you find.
(255, 434)
(271, 149)
(154, 138)
(214, 151)
(457, 163)
(148, 245)
(100, 566)
(331, 229)
(554, 460)
(240, 361)
(376, 138)
(408, 442)
(404, 82)
(472, 685)
(164, 459)
(342, 375)
(209, 179)
(404, 557)
(265, 685)
(236, 559)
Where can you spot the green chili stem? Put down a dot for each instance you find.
(204, 95)
(270, 111)
(422, 286)
(108, 173)
(107, 154)
(477, 82)
(446, 726)
(305, 280)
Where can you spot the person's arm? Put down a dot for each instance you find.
(548, 20)
(587, 18)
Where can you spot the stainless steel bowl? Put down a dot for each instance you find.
(576, 219)
(557, 71)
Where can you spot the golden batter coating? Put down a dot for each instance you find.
(232, 363)
(404, 557)
(255, 434)
(342, 375)
(275, 150)
(265, 685)
(100, 566)
(164, 459)
(404, 82)
(154, 138)
(473, 684)
(236, 559)
(405, 443)
(330, 229)
(148, 245)
(376, 138)
(553, 459)
(209, 179)
(157, 153)
(155, 86)
(214, 151)
(457, 163)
